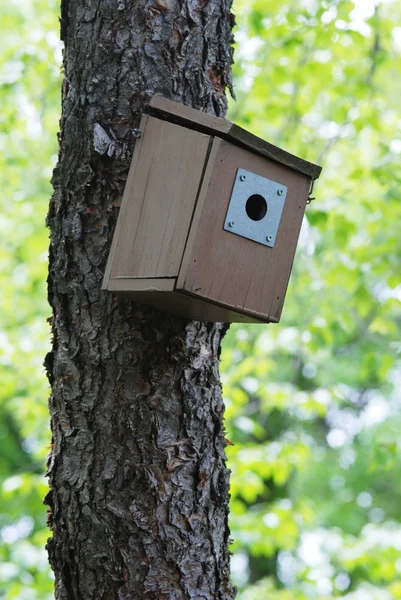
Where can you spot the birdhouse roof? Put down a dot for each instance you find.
(185, 116)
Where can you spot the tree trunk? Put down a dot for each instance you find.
(139, 487)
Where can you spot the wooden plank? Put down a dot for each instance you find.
(187, 254)
(196, 119)
(159, 204)
(187, 307)
(167, 109)
(124, 204)
(231, 270)
(157, 284)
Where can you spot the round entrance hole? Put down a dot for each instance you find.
(256, 207)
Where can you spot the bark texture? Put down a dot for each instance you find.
(139, 487)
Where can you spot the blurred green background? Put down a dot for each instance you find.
(313, 404)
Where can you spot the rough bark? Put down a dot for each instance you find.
(139, 487)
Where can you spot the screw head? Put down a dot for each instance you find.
(269, 238)
(242, 177)
(231, 224)
(280, 192)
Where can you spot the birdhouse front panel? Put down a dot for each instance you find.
(222, 261)
(210, 219)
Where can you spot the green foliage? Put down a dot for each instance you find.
(313, 404)
(29, 82)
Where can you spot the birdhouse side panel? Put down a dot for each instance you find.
(110, 266)
(294, 210)
(159, 202)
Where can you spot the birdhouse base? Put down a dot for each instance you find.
(161, 294)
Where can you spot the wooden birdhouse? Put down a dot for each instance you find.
(210, 218)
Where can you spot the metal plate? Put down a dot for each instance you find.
(255, 208)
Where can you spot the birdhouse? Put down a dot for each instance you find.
(209, 220)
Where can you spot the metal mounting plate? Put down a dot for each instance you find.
(255, 207)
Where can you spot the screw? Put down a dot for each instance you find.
(242, 177)
(231, 224)
(269, 238)
(280, 192)
(136, 133)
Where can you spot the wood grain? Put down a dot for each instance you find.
(189, 117)
(231, 270)
(200, 203)
(142, 284)
(159, 200)
(128, 192)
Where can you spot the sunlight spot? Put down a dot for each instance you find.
(322, 396)
(341, 24)
(329, 15)
(337, 482)
(237, 356)
(265, 342)
(5, 345)
(310, 550)
(12, 483)
(395, 146)
(329, 129)
(245, 424)
(242, 335)
(347, 458)
(247, 47)
(309, 371)
(336, 438)
(11, 72)
(53, 39)
(377, 515)
(8, 570)
(26, 344)
(18, 196)
(396, 35)
(288, 338)
(322, 56)
(353, 113)
(364, 499)
(310, 5)
(250, 384)
(364, 9)
(342, 582)
(287, 88)
(376, 412)
(225, 378)
(9, 534)
(22, 528)
(240, 568)
(286, 567)
(284, 61)
(271, 520)
(324, 586)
